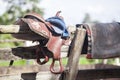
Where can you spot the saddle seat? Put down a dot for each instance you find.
(51, 35)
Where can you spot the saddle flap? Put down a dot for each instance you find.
(30, 35)
(37, 27)
(54, 45)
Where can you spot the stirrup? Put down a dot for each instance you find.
(52, 67)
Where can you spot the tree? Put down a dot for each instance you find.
(18, 8)
(14, 10)
(87, 19)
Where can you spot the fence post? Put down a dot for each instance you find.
(75, 51)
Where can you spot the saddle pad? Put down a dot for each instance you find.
(105, 40)
(59, 26)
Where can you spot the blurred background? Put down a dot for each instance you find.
(78, 11)
(73, 11)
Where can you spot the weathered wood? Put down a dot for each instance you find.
(31, 76)
(12, 29)
(9, 28)
(75, 52)
(82, 75)
(17, 53)
(86, 72)
(13, 40)
(38, 68)
(24, 53)
(98, 74)
(97, 71)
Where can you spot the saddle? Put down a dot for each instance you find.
(50, 33)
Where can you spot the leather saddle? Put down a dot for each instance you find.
(50, 33)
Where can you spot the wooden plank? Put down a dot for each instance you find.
(4, 70)
(24, 53)
(82, 75)
(9, 28)
(12, 40)
(12, 29)
(97, 71)
(30, 76)
(17, 53)
(86, 72)
(91, 74)
(75, 51)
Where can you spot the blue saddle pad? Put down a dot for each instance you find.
(59, 26)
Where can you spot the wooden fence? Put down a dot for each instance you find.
(72, 71)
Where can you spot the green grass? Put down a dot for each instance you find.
(82, 60)
(16, 63)
(85, 61)
(64, 62)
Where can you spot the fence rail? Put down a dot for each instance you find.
(72, 72)
(85, 72)
(24, 53)
(12, 29)
(13, 40)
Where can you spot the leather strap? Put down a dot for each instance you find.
(40, 51)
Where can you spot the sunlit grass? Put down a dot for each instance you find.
(82, 60)
(16, 63)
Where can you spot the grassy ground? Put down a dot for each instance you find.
(82, 60)
(16, 63)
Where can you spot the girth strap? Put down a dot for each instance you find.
(41, 51)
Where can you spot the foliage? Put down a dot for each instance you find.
(17, 8)
(16, 63)
(14, 10)
(88, 19)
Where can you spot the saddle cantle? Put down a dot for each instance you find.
(50, 33)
